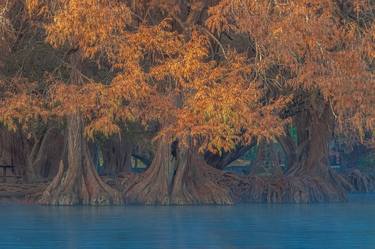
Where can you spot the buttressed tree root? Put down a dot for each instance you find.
(361, 182)
(77, 181)
(177, 176)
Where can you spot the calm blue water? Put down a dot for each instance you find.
(258, 226)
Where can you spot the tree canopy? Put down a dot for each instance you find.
(213, 75)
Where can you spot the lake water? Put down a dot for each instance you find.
(256, 226)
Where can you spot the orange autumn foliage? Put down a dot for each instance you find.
(326, 45)
(168, 62)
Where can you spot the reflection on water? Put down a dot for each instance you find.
(257, 226)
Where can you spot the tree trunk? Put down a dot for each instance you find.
(317, 182)
(177, 176)
(77, 182)
(309, 177)
(314, 131)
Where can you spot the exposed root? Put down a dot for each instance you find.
(77, 181)
(361, 182)
(86, 189)
(176, 178)
(201, 190)
(23, 192)
(282, 189)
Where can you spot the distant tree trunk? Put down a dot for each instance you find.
(289, 147)
(226, 158)
(144, 158)
(177, 176)
(45, 153)
(351, 158)
(53, 147)
(267, 161)
(14, 150)
(77, 182)
(117, 153)
(143, 151)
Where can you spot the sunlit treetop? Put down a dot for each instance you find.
(163, 68)
(91, 31)
(325, 45)
(89, 25)
(215, 102)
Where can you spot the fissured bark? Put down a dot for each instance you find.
(177, 176)
(77, 181)
(311, 164)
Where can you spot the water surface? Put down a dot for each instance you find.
(255, 226)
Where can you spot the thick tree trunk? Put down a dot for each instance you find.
(309, 177)
(316, 181)
(177, 176)
(314, 131)
(77, 182)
